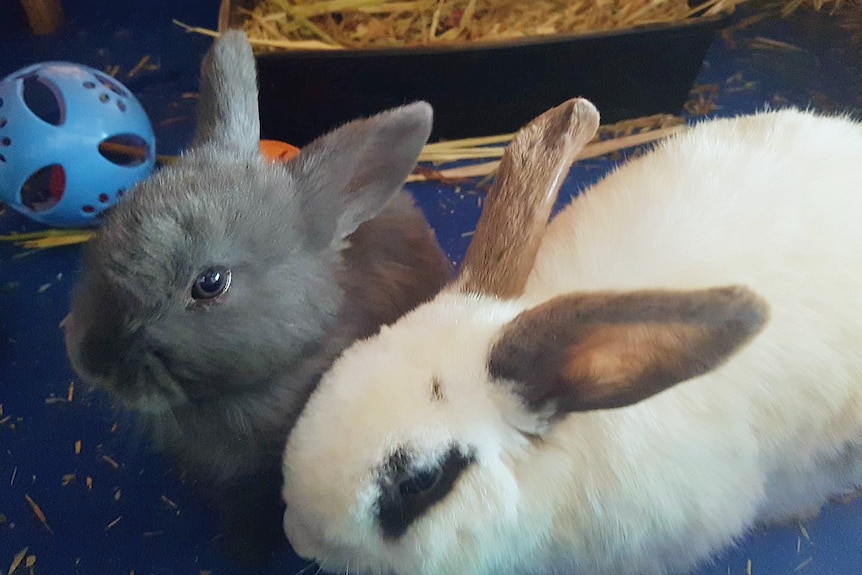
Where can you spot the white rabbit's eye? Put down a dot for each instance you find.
(407, 492)
(212, 283)
(420, 482)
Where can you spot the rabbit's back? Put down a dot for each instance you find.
(772, 202)
(768, 200)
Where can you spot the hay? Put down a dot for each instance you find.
(397, 23)
(361, 24)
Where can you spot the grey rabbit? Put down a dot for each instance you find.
(217, 292)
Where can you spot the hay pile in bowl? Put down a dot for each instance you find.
(362, 24)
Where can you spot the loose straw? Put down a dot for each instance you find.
(457, 149)
(262, 42)
(49, 238)
(593, 150)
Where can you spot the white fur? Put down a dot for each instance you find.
(772, 202)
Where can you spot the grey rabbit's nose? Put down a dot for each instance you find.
(102, 353)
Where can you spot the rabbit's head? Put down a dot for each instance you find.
(430, 448)
(216, 274)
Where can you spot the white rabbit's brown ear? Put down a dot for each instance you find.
(516, 211)
(608, 350)
(227, 109)
(346, 177)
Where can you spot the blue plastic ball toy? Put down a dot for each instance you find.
(72, 141)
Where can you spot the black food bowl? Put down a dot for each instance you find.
(484, 89)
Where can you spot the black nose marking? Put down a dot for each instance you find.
(408, 491)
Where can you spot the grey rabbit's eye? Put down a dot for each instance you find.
(212, 283)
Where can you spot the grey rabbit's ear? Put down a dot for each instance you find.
(349, 175)
(228, 109)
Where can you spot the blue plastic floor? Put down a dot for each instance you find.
(122, 509)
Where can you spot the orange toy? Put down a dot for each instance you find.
(277, 151)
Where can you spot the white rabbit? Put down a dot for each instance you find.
(518, 422)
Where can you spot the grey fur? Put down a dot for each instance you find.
(227, 108)
(323, 249)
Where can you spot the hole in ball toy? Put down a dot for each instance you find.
(121, 105)
(103, 97)
(2, 159)
(88, 209)
(7, 141)
(89, 85)
(120, 193)
(2, 122)
(42, 98)
(1, 102)
(110, 84)
(125, 150)
(44, 188)
(103, 198)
